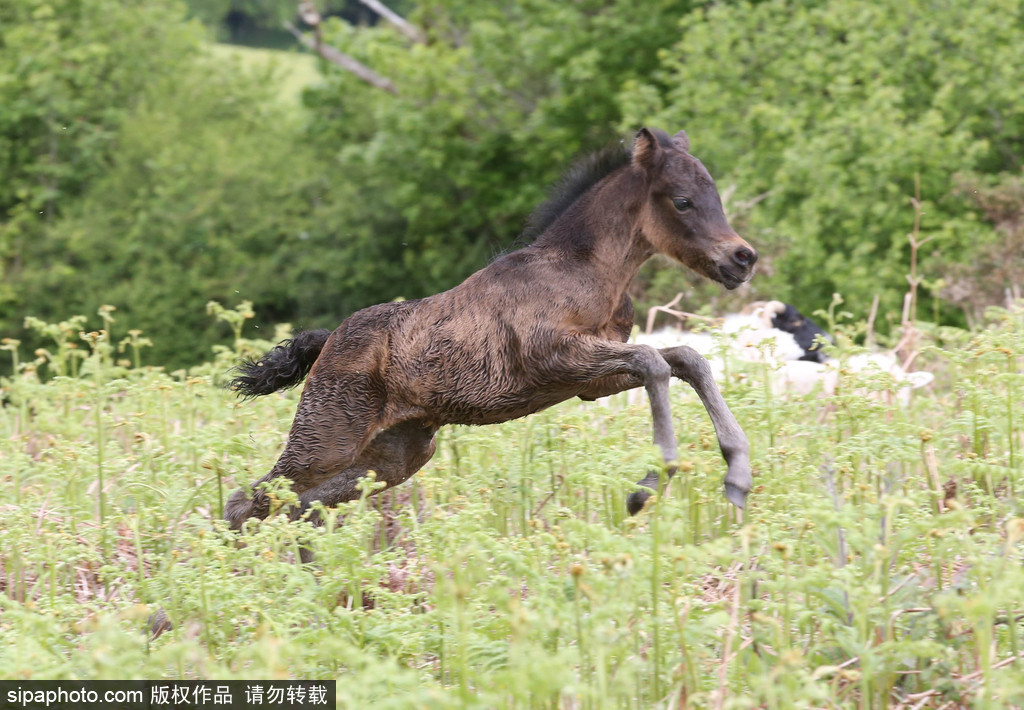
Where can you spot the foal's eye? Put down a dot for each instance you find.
(682, 203)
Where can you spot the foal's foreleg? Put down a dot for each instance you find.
(626, 366)
(688, 365)
(691, 367)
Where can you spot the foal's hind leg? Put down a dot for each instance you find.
(335, 421)
(394, 455)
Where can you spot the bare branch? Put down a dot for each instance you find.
(339, 58)
(308, 13)
(403, 25)
(653, 312)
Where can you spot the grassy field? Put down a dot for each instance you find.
(292, 70)
(879, 563)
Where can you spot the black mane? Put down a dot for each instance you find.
(579, 178)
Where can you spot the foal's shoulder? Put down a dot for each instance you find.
(517, 259)
(514, 266)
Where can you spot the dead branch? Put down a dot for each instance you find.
(653, 312)
(736, 208)
(339, 58)
(906, 350)
(869, 336)
(400, 23)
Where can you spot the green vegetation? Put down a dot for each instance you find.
(140, 168)
(293, 72)
(879, 563)
(838, 113)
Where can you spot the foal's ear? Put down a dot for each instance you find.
(645, 149)
(682, 141)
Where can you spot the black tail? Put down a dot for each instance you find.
(286, 365)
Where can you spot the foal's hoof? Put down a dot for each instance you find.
(158, 623)
(736, 495)
(636, 500)
(239, 507)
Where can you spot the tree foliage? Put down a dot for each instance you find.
(143, 172)
(205, 199)
(140, 170)
(489, 110)
(832, 110)
(71, 73)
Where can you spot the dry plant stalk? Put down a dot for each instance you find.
(668, 308)
(907, 349)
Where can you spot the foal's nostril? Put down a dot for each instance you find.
(745, 257)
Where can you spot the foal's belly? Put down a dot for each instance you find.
(485, 392)
(499, 407)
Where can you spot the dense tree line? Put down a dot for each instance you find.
(140, 170)
(839, 113)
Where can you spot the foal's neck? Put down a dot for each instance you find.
(613, 215)
(600, 233)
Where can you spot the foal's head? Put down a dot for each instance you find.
(682, 214)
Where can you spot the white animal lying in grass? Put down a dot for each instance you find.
(790, 345)
(801, 377)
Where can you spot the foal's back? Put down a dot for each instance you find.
(475, 354)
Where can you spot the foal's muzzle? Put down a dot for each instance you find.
(738, 267)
